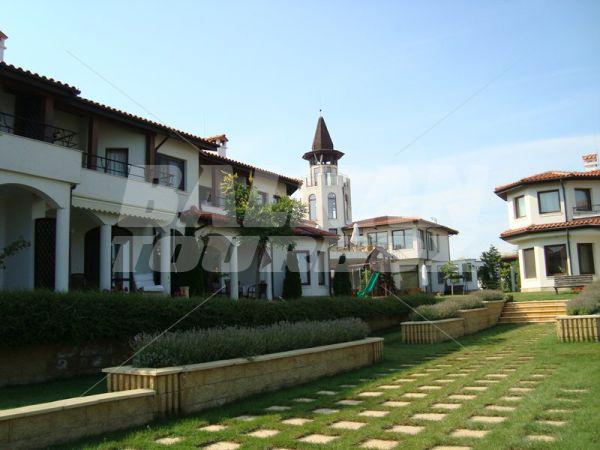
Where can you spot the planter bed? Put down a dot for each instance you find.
(431, 332)
(578, 328)
(474, 319)
(494, 309)
(186, 389)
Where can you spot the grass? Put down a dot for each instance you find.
(15, 396)
(528, 296)
(531, 350)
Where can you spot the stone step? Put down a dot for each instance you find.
(527, 320)
(556, 312)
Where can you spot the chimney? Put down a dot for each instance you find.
(590, 162)
(3, 38)
(222, 150)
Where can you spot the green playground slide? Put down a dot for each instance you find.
(370, 285)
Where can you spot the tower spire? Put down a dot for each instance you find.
(322, 139)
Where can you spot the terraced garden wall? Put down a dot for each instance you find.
(578, 328)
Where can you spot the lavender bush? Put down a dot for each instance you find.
(588, 302)
(212, 344)
(446, 309)
(487, 295)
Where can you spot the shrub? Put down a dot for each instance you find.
(588, 302)
(292, 284)
(341, 279)
(32, 317)
(212, 344)
(487, 295)
(446, 309)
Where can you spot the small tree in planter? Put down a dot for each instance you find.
(450, 273)
(341, 279)
(260, 221)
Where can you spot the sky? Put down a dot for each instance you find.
(434, 103)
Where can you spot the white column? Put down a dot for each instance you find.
(269, 272)
(105, 257)
(165, 260)
(233, 270)
(63, 229)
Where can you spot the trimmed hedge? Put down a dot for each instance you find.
(448, 309)
(213, 344)
(33, 317)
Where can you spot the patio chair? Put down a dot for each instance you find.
(262, 290)
(144, 282)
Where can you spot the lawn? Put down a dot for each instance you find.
(15, 396)
(506, 388)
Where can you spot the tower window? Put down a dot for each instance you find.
(312, 207)
(331, 206)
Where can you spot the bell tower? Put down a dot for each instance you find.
(325, 191)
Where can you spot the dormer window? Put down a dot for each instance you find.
(549, 201)
(519, 206)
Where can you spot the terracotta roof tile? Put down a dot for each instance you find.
(555, 226)
(51, 81)
(551, 175)
(395, 220)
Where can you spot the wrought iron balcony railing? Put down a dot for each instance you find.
(126, 170)
(26, 127)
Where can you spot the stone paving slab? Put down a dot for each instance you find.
(296, 421)
(488, 419)
(406, 429)
(448, 406)
(168, 440)
(213, 428)
(395, 404)
(540, 438)
(379, 444)
(223, 445)
(467, 433)
(347, 425)
(373, 413)
(349, 402)
(263, 433)
(500, 408)
(317, 439)
(370, 394)
(462, 396)
(278, 408)
(435, 417)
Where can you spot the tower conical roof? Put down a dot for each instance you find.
(322, 140)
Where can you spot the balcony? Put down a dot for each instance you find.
(207, 197)
(587, 210)
(26, 127)
(126, 170)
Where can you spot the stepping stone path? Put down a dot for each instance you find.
(168, 440)
(373, 413)
(326, 392)
(488, 419)
(278, 408)
(395, 404)
(466, 433)
(349, 402)
(348, 385)
(559, 411)
(450, 447)
(520, 389)
(475, 388)
(500, 408)
(429, 388)
(388, 386)
(403, 380)
(297, 421)
(540, 437)
(326, 411)
(462, 397)
(414, 395)
(444, 381)
(575, 391)
(511, 398)
(370, 394)
(448, 406)
(347, 425)
(436, 417)
(379, 444)
(406, 429)
(317, 439)
(245, 418)
(552, 423)
(304, 400)
(263, 433)
(213, 428)
(224, 445)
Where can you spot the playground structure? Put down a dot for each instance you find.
(373, 277)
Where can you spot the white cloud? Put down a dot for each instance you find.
(458, 189)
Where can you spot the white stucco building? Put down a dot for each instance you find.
(554, 220)
(103, 198)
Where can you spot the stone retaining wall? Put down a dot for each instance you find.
(494, 308)
(45, 424)
(196, 387)
(475, 319)
(432, 332)
(578, 328)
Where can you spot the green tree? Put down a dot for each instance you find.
(260, 222)
(12, 249)
(489, 272)
(449, 272)
(341, 279)
(292, 284)
(505, 275)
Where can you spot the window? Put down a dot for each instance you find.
(262, 198)
(378, 239)
(303, 258)
(398, 239)
(519, 207)
(583, 200)
(333, 230)
(440, 277)
(529, 263)
(585, 253)
(432, 241)
(331, 206)
(116, 161)
(321, 267)
(467, 271)
(276, 198)
(421, 239)
(548, 201)
(328, 177)
(312, 207)
(171, 171)
(556, 259)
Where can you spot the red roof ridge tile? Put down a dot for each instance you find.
(554, 226)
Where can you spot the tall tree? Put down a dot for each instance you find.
(259, 221)
(489, 272)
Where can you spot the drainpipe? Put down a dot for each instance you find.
(569, 256)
